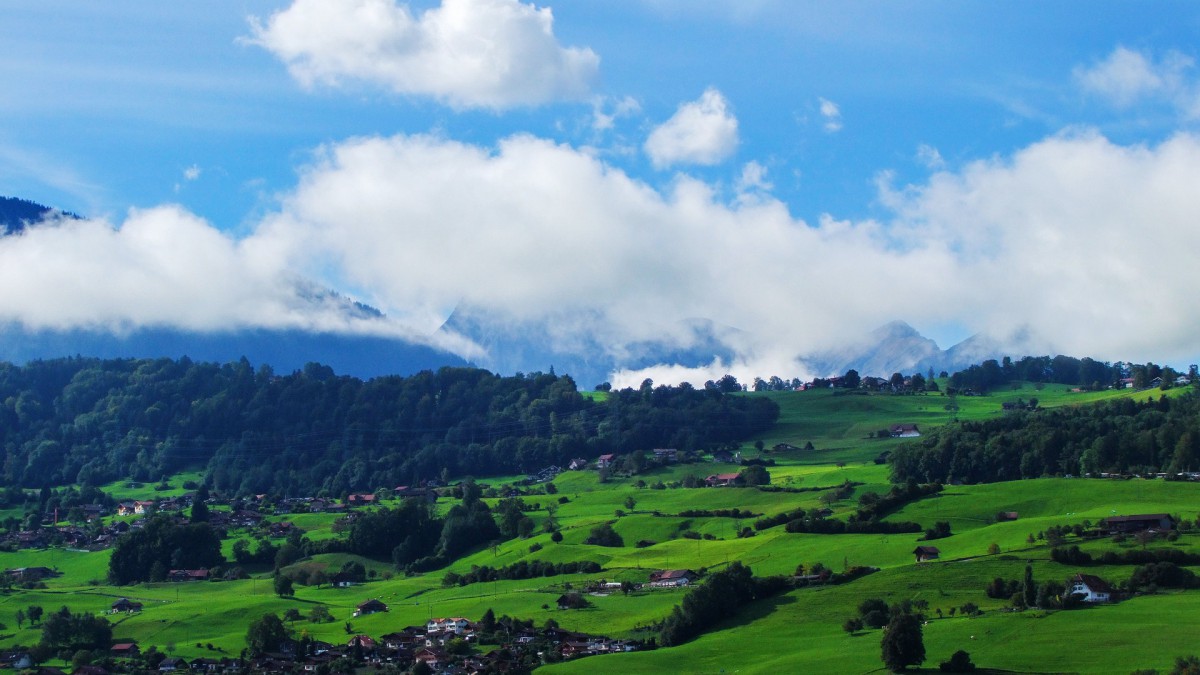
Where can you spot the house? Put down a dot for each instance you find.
(720, 479)
(1137, 523)
(125, 509)
(342, 580)
(671, 578)
(30, 574)
(171, 664)
(370, 607)
(124, 650)
(456, 625)
(187, 575)
(364, 642)
(1006, 516)
(430, 656)
(904, 431)
(605, 461)
(1092, 588)
(723, 457)
(577, 464)
(126, 605)
(926, 553)
(360, 500)
(666, 455)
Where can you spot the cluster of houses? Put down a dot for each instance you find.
(521, 650)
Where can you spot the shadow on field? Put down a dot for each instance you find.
(757, 610)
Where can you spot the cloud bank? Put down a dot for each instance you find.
(1083, 239)
(493, 54)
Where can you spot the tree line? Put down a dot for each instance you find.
(1119, 436)
(87, 421)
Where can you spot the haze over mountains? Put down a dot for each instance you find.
(505, 347)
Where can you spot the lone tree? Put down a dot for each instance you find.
(902, 643)
(265, 634)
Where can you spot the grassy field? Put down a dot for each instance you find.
(796, 632)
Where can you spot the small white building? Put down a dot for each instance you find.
(1092, 588)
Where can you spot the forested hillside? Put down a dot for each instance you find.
(1158, 434)
(88, 421)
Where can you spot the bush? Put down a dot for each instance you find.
(960, 662)
(604, 535)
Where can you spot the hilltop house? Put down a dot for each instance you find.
(1092, 588)
(926, 553)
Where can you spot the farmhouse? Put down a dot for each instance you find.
(1137, 523)
(360, 500)
(1006, 516)
(605, 461)
(1092, 588)
(577, 464)
(126, 605)
(720, 479)
(926, 553)
(904, 431)
(671, 578)
(187, 575)
(370, 607)
(124, 649)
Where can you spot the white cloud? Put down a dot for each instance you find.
(1127, 77)
(623, 107)
(192, 173)
(929, 157)
(703, 131)
(1080, 238)
(832, 115)
(467, 53)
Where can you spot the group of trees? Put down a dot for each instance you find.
(718, 598)
(525, 569)
(1118, 436)
(87, 421)
(149, 553)
(1086, 373)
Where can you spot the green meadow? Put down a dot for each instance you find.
(800, 631)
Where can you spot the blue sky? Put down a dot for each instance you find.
(784, 168)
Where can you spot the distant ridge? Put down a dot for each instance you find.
(16, 214)
(897, 347)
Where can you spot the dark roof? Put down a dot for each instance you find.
(1138, 518)
(1095, 583)
(926, 550)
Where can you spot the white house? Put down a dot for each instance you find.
(1092, 588)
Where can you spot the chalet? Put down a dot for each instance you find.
(666, 455)
(578, 464)
(574, 648)
(1092, 588)
(187, 575)
(1156, 383)
(364, 642)
(360, 500)
(1006, 516)
(671, 578)
(720, 479)
(124, 650)
(126, 605)
(171, 664)
(605, 461)
(904, 431)
(125, 509)
(370, 607)
(926, 553)
(1137, 523)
